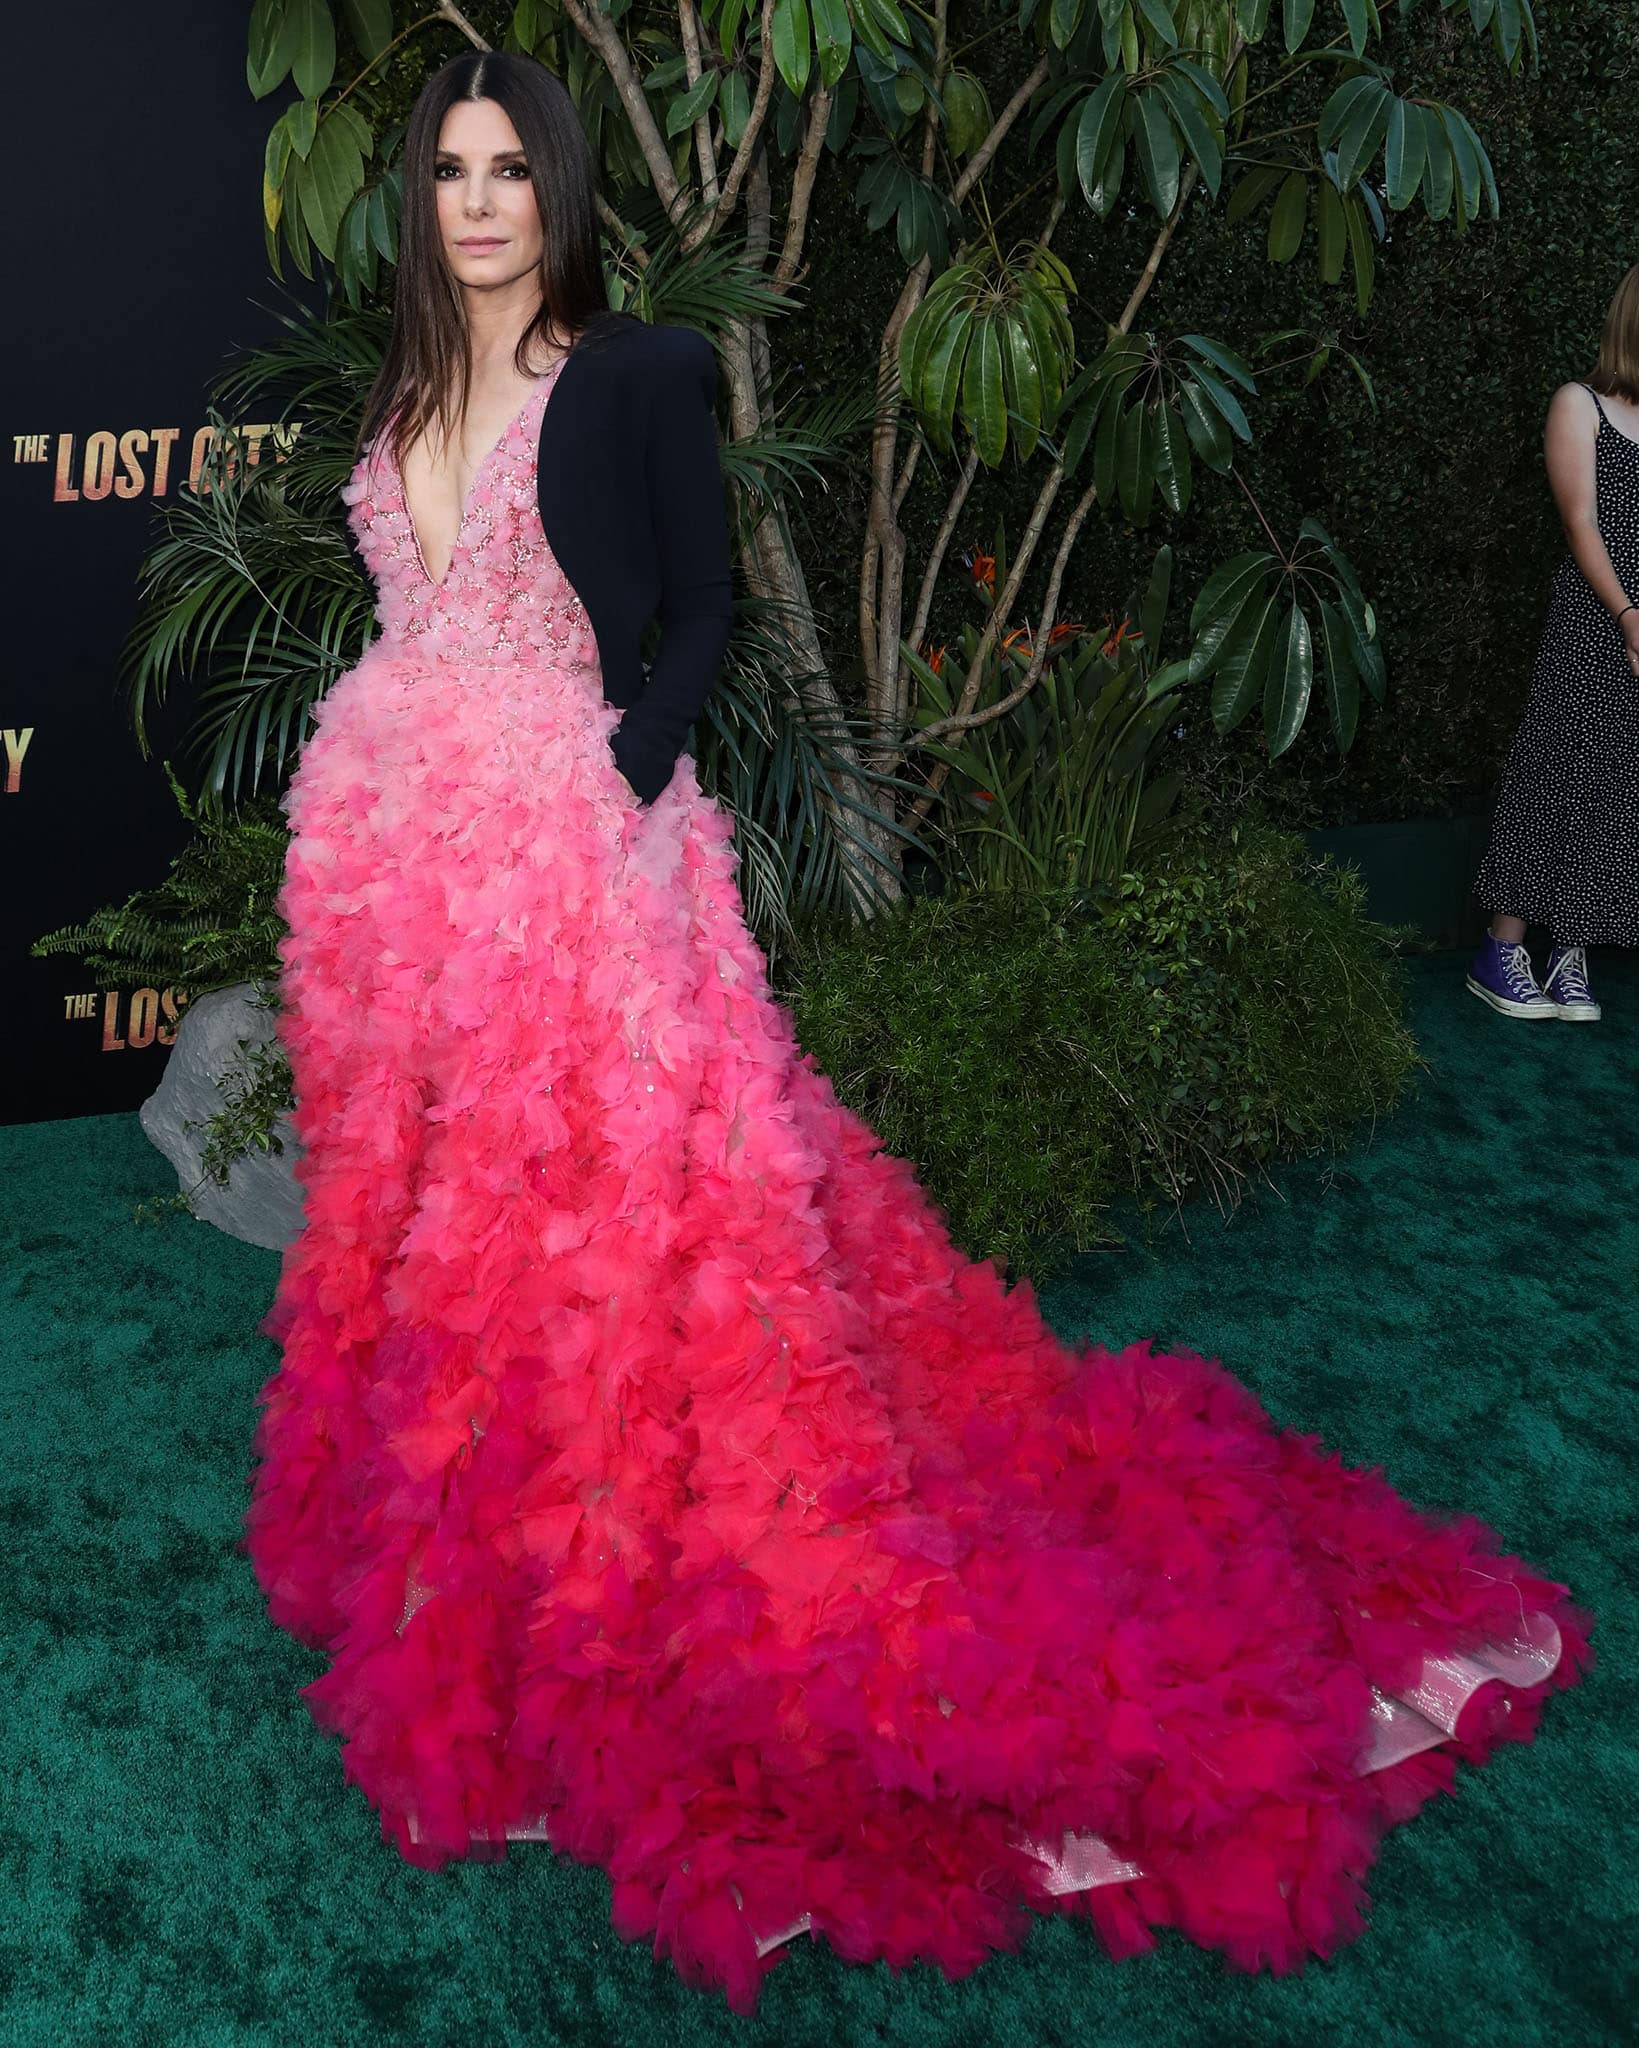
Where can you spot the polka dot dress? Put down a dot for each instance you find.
(1565, 840)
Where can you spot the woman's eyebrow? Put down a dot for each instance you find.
(501, 156)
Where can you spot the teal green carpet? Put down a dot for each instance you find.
(182, 1864)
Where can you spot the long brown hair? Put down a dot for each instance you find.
(427, 370)
(1618, 370)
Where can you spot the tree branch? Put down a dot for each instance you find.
(741, 166)
(689, 23)
(802, 187)
(599, 34)
(453, 15)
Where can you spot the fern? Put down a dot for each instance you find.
(212, 923)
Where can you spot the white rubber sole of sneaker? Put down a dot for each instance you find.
(1538, 1007)
(1577, 1013)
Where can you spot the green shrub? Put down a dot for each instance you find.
(1042, 1057)
(214, 920)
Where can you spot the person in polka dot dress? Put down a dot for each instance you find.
(1565, 839)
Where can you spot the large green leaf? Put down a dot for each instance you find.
(1363, 644)
(301, 118)
(1173, 475)
(1223, 358)
(1457, 119)
(1107, 191)
(1296, 17)
(1224, 591)
(275, 158)
(1157, 144)
(1106, 449)
(942, 379)
(1356, 17)
(271, 47)
(893, 21)
(1024, 382)
(1135, 464)
(313, 51)
(1226, 402)
(327, 181)
(1205, 84)
(686, 108)
(833, 37)
(1252, 190)
(370, 24)
(1097, 126)
(1286, 221)
(793, 45)
(1438, 175)
(1195, 123)
(916, 339)
(1207, 428)
(1465, 165)
(1047, 341)
(1342, 677)
(1350, 96)
(1152, 611)
(1363, 132)
(1291, 678)
(1157, 18)
(1229, 629)
(1404, 154)
(1362, 248)
(984, 405)
(1244, 667)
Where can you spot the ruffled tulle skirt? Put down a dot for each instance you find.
(663, 1484)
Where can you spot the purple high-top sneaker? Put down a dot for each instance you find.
(1566, 985)
(1500, 974)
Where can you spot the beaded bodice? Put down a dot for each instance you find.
(503, 599)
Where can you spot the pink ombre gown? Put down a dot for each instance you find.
(661, 1481)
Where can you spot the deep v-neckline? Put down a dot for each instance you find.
(546, 377)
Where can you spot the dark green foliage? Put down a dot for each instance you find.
(1439, 497)
(1042, 1057)
(256, 1093)
(213, 921)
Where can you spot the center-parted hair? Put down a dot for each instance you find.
(427, 370)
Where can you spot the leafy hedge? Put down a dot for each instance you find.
(1041, 1060)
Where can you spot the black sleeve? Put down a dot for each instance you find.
(684, 482)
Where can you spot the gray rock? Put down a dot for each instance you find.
(262, 1201)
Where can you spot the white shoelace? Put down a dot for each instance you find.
(1570, 970)
(1516, 967)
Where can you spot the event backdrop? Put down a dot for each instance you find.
(138, 266)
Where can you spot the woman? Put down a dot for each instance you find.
(660, 1479)
(1565, 840)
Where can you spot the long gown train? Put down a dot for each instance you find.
(661, 1481)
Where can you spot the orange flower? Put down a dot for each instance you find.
(1117, 634)
(983, 570)
(1064, 629)
(934, 657)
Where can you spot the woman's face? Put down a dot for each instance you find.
(488, 222)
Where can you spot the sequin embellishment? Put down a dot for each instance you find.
(504, 599)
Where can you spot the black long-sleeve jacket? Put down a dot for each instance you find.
(630, 490)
